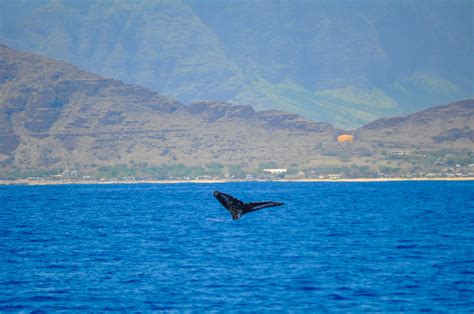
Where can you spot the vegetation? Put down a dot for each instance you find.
(431, 164)
(24, 174)
(197, 50)
(237, 172)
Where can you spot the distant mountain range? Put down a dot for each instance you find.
(448, 126)
(55, 116)
(343, 62)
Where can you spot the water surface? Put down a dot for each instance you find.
(390, 246)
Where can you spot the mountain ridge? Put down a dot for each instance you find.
(56, 116)
(50, 109)
(432, 121)
(320, 59)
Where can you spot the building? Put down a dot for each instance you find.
(400, 152)
(275, 171)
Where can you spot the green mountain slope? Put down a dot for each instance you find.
(338, 61)
(162, 45)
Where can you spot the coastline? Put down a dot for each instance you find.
(83, 182)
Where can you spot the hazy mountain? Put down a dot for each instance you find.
(449, 125)
(345, 62)
(55, 116)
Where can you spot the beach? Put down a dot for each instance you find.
(62, 182)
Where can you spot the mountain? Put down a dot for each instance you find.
(54, 115)
(450, 126)
(343, 62)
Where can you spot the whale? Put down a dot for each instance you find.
(237, 208)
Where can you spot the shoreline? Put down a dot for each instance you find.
(84, 182)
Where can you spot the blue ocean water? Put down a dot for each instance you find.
(393, 246)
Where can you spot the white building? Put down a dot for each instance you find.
(275, 171)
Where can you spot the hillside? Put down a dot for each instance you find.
(450, 126)
(56, 116)
(347, 63)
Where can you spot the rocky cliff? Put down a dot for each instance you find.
(54, 115)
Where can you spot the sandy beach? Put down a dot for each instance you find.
(63, 182)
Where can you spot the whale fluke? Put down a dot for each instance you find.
(237, 208)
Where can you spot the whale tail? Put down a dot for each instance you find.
(237, 208)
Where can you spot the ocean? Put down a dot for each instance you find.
(338, 247)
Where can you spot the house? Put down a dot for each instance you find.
(400, 152)
(275, 171)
